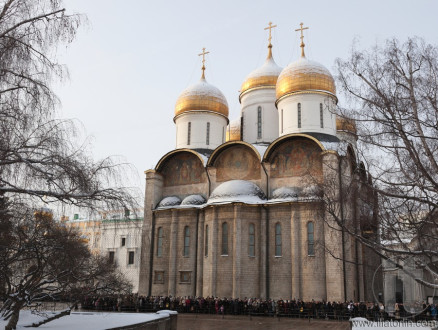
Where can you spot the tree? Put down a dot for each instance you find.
(42, 160)
(43, 260)
(392, 94)
(39, 156)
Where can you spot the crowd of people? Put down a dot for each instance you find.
(255, 307)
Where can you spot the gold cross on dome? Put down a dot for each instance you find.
(302, 37)
(203, 60)
(270, 27)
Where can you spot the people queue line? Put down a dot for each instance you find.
(253, 306)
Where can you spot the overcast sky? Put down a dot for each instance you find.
(128, 66)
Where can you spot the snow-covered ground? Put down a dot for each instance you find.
(86, 321)
(360, 323)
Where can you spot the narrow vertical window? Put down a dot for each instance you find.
(281, 120)
(208, 134)
(111, 257)
(321, 115)
(299, 115)
(277, 240)
(160, 242)
(131, 258)
(251, 241)
(242, 122)
(224, 239)
(206, 242)
(310, 240)
(186, 241)
(259, 122)
(189, 132)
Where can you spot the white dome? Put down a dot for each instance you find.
(237, 191)
(193, 200)
(286, 192)
(170, 201)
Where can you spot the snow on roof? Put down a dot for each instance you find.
(261, 148)
(237, 191)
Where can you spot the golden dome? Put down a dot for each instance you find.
(305, 75)
(233, 131)
(264, 77)
(201, 97)
(346, 125)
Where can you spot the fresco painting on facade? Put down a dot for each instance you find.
(183, 168)
(237, 163)
(296, 157)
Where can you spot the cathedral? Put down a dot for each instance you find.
(235, 210)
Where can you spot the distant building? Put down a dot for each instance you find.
(117, 236)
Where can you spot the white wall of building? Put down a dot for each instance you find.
(250, 102)
(310, 114)
(198, 131)
(112, 233)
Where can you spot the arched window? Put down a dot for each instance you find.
(189, 132)
(160, 242)
(251, 240)
(259, 122)
(186, 241)
(299, 115)
(310, 240)
(277, 240)
(208, 134)
(206, 242)
(321, 115)
(224, 239)
(281, 121)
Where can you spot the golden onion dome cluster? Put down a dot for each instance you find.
(264, 77)
(202, 96)
(346, 125)
(233, 131)
(304, 75)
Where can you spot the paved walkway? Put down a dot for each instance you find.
(216, 322)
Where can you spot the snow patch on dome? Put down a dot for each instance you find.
(194, 200)
(237, 191)
(312, 191)
(303, 65)
(286, 193)
(169, 201)
(269, 68)
(204, 89)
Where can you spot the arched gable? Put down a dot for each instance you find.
(236, 160)
(294, 155)
(181, 167)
